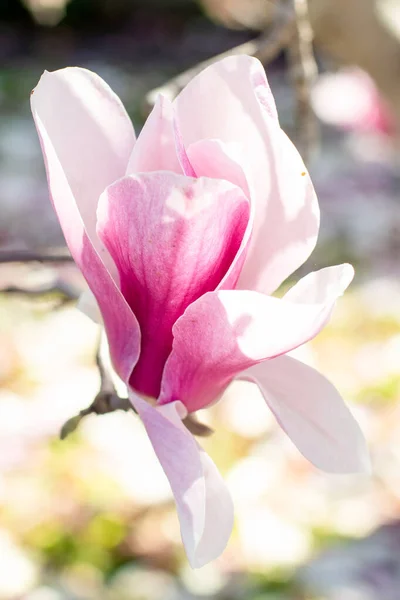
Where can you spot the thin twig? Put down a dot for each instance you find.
(197, 428)
(266, 47)
(107, 400)
(303, 70)
(26, 256)
(103, 403)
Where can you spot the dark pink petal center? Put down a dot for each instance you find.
(173, 239)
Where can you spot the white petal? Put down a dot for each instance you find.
(91, 134)
(204, 505)
(312, 413)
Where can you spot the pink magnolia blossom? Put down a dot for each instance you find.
(182, 237)
(349, 99)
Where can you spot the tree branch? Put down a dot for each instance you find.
(290, 30)
(25, 256)
(104, 402)
(107, 401)
(266, 47)
(57, 286)
(303, 70)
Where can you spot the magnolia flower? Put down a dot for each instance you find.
(182, 236)
(349, 99)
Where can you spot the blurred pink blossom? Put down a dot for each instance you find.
(349, 99)
(182, 236)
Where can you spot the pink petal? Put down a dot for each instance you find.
(226, 98)
(232, 103)
(225, 332)
(312, 413)
(91, 135)
(155, 149)
(210, 158)
(286, 224)
(319, 286)
(173, 239)
(204, 505)
(120, 323)
(184, 161)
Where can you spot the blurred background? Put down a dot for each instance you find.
(91, 517)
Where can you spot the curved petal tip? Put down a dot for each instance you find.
(312, 413)
(203, 502)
